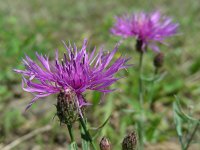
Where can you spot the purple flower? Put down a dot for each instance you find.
(146, 28)
(76, 72)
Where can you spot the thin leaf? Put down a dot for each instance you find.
(177, 120)
(98, 129)
(129, 111)
(160, 77)
(181, 114)
(149, 79)
(102, 125)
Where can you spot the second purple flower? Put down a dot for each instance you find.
(146, 28)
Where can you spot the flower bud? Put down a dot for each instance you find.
(130, 142)
(67, 109)
(104, 144)
(158, 60)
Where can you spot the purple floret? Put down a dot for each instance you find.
(78, 71)
(149, 28)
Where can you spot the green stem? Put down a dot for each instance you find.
(69, 126)
(181, 141)
(140, 79)
(152, 87)
(70, 132)
(141, 100)
(192, 136)
(82, 121)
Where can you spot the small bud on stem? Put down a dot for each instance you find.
(158, 60)
(104, 144)
(130, 142)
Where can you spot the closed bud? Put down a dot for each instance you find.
(130, 142)
(67, 109)
(158, 60)
(105, 144)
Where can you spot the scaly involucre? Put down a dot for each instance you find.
(148, 28)
(78, 71)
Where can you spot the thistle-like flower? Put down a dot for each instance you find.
(74, 74)
(146, 28)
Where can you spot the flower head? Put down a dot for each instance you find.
(146, 28)
(76, 72)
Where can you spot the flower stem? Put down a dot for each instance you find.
(141, 100)
(181, 142)
(73, 143)
(83, 124)
(192, 136)
(70, 132)
(140, 79)
(152, 87)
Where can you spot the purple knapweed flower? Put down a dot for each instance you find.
(75, 73)
(146, 28)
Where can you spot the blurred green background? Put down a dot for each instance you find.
(34, 25)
